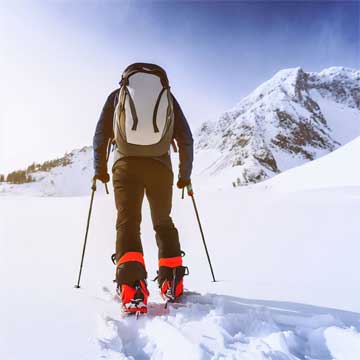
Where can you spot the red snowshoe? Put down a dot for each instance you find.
(170, 278)
(134, 298)
(131, 279)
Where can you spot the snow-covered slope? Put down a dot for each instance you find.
(287, 265)
(340, 169)
(71, 179)
(290, 119)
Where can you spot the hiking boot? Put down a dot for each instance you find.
(131, 283)
(170, 278)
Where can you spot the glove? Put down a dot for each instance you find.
(183, 183)
(104, 177)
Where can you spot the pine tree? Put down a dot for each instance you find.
(17, 177)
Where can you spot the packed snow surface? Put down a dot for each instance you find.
(285, 257)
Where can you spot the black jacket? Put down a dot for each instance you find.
(182, 135)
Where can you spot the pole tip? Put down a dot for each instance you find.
(77, 286)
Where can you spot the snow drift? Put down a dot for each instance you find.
(336, 170)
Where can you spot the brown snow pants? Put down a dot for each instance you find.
(132, 178)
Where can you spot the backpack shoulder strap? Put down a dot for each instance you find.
(156, 129)
(132, 108)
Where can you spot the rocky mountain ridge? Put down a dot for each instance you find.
(290, 119)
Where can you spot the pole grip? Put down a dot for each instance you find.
(190, 190)
(106, 189)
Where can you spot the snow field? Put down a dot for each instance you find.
(272, 254)
(214, 326)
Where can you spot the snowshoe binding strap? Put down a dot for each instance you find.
(172, 287)
(134, 298)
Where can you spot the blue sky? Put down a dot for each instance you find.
(68, 55)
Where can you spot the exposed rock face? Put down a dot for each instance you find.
(288, 120)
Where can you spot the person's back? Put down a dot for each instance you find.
(143, 118)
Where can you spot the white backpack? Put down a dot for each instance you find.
(144, 115)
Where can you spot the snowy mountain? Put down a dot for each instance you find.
(287, 121)
(290, 119)
(285, 255)
(69, 176)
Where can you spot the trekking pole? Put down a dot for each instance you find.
(93, 188)
(191, 194)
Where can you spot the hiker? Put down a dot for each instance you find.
(142, 118)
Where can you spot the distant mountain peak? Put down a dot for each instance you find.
(292, 118)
